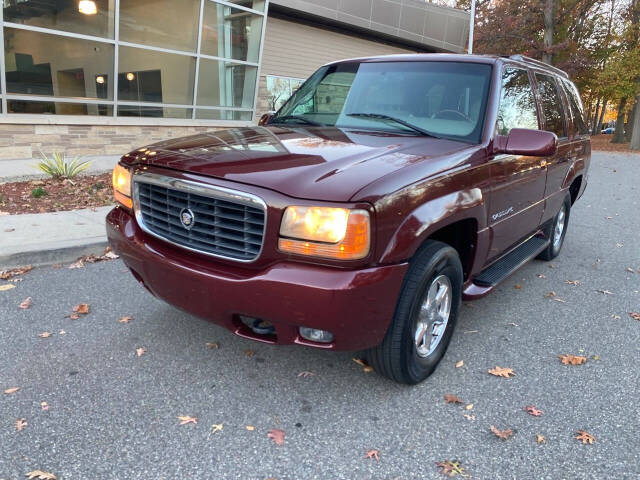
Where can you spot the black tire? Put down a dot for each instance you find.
(553, 250)
(397, 356)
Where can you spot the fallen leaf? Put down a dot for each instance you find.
(248, 353)
(572, 282)
(62, 332)
(45, 334)
(11, 390)
(595, 357)
(460, 363)
(531, 410)
(140, 351)
(40, 475)
(374, 454)
(471, 331)
(512, 324)
(216, 428)
(81, 309)
(276, 435)
(44, 406)
(26, 303)
(212, 345)
(542, 275)
(20, 424)
(585, 437)
(306, 374)
(451, 468)
(630, 270)
(184, 419)
(540, 438)
(125, 319)
(469, 417)
(251, 428)
(572, 359)
(364, 366)
(503, 434)
(619, 245)
(502, 372)
(14, 272)
(449, 398)
(469, 406)
(517, 286)
(617, 317)
(605, 292)
(634, 315)
(9, 230)
(8, 286)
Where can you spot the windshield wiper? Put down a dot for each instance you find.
(298, 118)
(382, 116)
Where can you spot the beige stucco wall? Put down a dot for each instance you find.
(296, 50)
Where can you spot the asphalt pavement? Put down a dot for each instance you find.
(111, 414)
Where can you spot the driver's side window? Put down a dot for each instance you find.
(517, 104)
(330, 95)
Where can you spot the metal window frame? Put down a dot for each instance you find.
(8, 118)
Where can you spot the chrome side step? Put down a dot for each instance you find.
(500, 270)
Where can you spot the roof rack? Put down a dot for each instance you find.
(533, 61)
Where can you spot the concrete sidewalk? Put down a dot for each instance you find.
(46, 238)
(24, 169)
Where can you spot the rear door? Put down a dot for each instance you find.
(518, 181)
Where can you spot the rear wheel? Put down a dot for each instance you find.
(556, 231)
(425, 316)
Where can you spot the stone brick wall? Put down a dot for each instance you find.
(25, 141)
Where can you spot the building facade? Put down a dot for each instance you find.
(98, 77)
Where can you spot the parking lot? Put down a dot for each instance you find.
(113, 414)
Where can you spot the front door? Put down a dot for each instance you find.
(518, 181)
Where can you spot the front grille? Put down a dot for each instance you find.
(223, 225)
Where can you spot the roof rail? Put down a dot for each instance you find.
(538, 63)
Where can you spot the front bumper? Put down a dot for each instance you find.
(355, 305)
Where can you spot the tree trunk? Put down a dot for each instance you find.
(547, 54)
(596, 115)
(630, 122)
(618, 134)
(635, 135)
(602, 113)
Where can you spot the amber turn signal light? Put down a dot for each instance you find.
(121, 179)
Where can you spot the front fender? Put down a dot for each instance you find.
(432, 216)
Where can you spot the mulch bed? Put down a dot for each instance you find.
(603, 143)
(40, 196)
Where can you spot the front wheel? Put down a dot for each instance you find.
(425, 316)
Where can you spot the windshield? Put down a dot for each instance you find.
(443, 99)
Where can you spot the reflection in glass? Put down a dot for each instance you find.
(577, 110)
(280, 89)
(58, 108)
(551, 105)
(150, 76)
(161, 23)
(69, 16)
(203, 114)
(43, 64)
(223, 84)
(159, 112)
(231, 33)
(254, 4)
(517, 105)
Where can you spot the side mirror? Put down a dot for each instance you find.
(532, 143)
(264, 119)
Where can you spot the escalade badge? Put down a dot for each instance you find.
(187, 218)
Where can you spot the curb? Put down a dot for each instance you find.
(38, 257)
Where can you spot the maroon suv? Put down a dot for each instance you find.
(358, 216)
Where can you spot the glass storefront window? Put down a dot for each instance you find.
(161, 23)
(230, 33)
(159, 112)
(222, 84)
(203, 114)
(151, 76)
(88, 17)
(58, 108)
(254, 4)
(42, 64)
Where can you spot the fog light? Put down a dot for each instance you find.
(321, 336)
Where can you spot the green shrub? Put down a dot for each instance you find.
(57, 167)
(38, 192)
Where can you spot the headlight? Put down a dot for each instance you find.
(122, 185)
(327, 232)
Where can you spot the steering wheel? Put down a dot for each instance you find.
(448, 113)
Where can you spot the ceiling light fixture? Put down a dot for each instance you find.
(88, 7)
(130, 76)
(100, 79)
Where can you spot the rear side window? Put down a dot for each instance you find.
(552, 109)
(517, 105)
(575, 104)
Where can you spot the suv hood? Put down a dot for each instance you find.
(318, 163)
